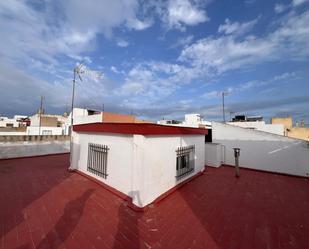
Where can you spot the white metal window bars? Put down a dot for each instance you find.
(185, 161)
(97, 159)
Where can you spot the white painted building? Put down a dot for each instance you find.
(44, 130)
(191, 120)
(261, 126)
(11, 122)
(143, 161)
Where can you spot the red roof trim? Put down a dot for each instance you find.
(140, 129)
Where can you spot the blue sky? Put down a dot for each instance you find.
(157, 58)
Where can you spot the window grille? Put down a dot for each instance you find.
(185, 161)
(97, 159)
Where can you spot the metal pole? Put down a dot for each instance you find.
(71, 126)
(223, 107)
(40, 113)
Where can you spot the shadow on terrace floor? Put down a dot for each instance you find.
(127, 235)
(25, 180)
(66, 224)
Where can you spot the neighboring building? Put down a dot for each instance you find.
(16, 121)
(169, 122)
(88, 116)
(300, 131)
(143, 161)
(191, 120)
(196, 120)
(257, 123)
(46, 124)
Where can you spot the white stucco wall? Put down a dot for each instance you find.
(263, 151)
(261, 126)
(119, 162)
(34, 130)
(143, 167)
(160, 163)
(214, 156)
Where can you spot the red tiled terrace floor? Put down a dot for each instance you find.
(44, 206)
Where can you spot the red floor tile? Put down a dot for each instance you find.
(44, 206)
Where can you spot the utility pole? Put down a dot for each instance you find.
(223, 107)
(40, 113)
(77, 71)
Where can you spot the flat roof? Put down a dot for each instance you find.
(140, 129)
(45, 206)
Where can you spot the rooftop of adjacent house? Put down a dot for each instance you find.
(140, 128)
(45, 206)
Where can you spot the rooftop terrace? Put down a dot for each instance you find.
(42, 205)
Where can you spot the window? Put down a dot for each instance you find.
(47, 132)
(97, 159)
(185, 161)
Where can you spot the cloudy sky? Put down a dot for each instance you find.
(156, 58)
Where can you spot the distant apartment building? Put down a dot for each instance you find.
(46, 124)
(299, 130)
(191, 120)
(16, 121)
(257, 123)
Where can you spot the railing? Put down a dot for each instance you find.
(185, 161)
(97, 159)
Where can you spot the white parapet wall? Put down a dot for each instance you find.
(262, 150)
(36, 148)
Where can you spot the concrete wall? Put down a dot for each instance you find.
(34, 130)
(263, 151)
(299, 133)
(261, 126)
(26, 138)
(24, 149)
(143, 167)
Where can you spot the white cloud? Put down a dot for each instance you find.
(217, 55)
(115, 70)
(211, 94)
(182, 13)
(279, 8)
(298, 2)
(122, 43)
(183, 41)
(235, 27)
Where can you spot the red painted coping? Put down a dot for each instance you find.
(140, 129)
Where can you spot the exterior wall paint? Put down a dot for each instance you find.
(213, 154)
(33, 130)
(23, 149)
(142, 167)
(263, 151)
(119, 161)
(299, 133)
(160, 163)
(109, 117)
(261, 126)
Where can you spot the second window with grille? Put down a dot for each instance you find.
(97, 159)
(185, 161)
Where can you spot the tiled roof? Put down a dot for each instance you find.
(44, 206)
(141, 129)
